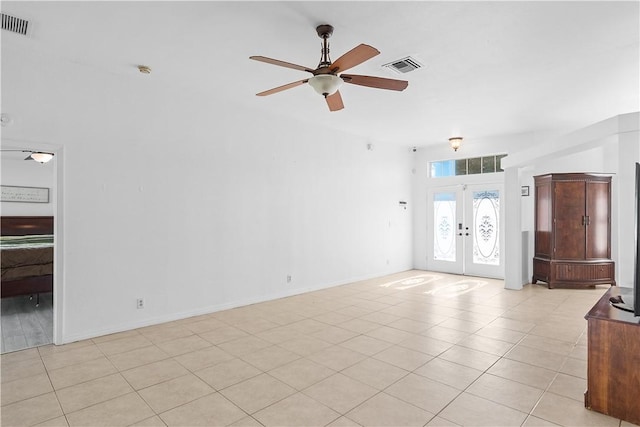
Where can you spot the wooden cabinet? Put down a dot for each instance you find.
(573, 230)
(613, 357)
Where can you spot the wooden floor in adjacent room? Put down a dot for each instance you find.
(23, 324)
(411, 349)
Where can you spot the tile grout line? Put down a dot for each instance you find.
(486, 371)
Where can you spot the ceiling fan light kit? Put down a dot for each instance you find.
(326, 81)
(325, 84)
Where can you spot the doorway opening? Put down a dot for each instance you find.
(29, 223)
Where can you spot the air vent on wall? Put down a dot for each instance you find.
(403, 65)
(15, 25)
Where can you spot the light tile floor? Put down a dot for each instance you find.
(410, 349)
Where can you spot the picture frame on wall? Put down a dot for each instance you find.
(524, 191)
(11, 193)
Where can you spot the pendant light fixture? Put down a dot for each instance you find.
(38, 156)
(41, 157)
(455, 142)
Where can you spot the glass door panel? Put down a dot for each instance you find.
(445, 252)
(483, 254)
(486, 229)
(444, 226)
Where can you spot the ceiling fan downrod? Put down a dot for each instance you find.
(324, 32)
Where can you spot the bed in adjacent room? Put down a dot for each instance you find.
(26, 243)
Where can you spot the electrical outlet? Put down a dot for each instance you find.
(140, 303)
(288, 278)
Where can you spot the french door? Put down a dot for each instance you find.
(465, 230)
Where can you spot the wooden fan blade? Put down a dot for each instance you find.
(355, 56)
(281, 63)
(376, 82)
(281, 88)
(335, 102)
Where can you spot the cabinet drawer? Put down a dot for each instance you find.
(570, 271)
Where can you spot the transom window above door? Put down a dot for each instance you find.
(470, 166)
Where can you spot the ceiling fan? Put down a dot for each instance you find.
(327, 77)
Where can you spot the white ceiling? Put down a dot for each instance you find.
(491, 68)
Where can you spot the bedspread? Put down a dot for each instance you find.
(23, 263)
(30, 256)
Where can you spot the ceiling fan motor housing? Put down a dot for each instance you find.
(324, 31)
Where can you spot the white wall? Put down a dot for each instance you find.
(21, 173)
(197, 206)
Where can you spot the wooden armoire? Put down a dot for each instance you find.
(573, 230)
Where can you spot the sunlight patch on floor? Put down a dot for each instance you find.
(458, 288)
(411, 282)
(436, 285)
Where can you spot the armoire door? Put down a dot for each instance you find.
(597, 213)
(543, 220)
(570, 230)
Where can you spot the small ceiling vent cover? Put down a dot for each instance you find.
(15, 25)
(404, 65)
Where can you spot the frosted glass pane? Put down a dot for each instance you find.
(444, 227)
(486, 220)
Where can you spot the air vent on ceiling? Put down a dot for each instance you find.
(404, 65)
(15, 25)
